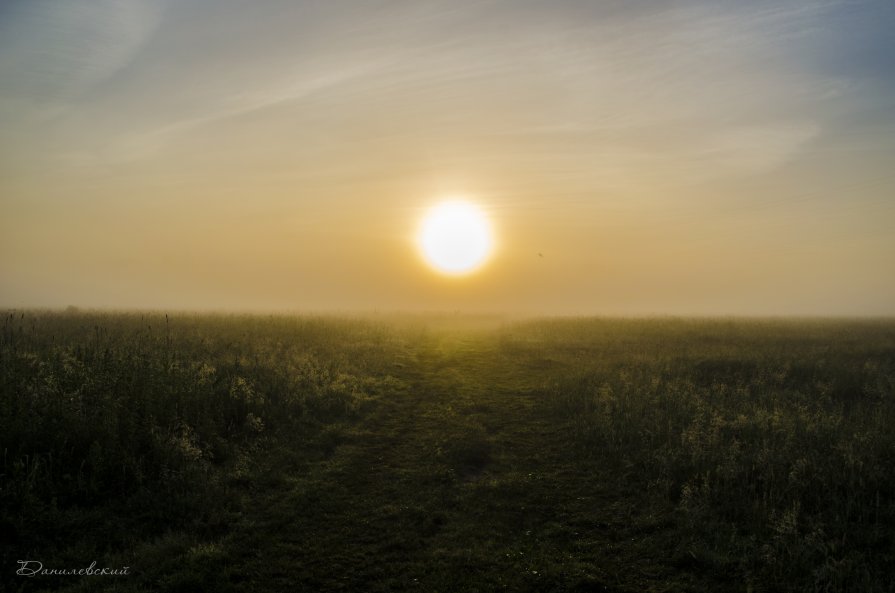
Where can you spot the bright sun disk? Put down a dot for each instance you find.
(455, 237)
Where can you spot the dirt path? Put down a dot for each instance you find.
(460, 484)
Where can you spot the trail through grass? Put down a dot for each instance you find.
(553, 456)
(457, 484)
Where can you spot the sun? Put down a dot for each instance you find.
(455, 237)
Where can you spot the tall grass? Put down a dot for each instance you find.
(772, 439)
(144, 420)
(768, 445)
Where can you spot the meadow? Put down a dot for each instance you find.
(235, 453)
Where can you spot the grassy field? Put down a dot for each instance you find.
(252, 453)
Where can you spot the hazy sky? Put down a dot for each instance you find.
(664, 157)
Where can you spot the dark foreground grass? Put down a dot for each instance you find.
(227, 453)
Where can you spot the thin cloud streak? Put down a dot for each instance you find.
(56, 52)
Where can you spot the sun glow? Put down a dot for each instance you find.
(455, 237)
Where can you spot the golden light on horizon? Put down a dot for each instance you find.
(455, 237)
(292, 161)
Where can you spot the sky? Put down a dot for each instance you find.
(634, 158)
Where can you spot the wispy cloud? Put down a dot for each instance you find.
(53, 51)
(659, 136)
(600, 95)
